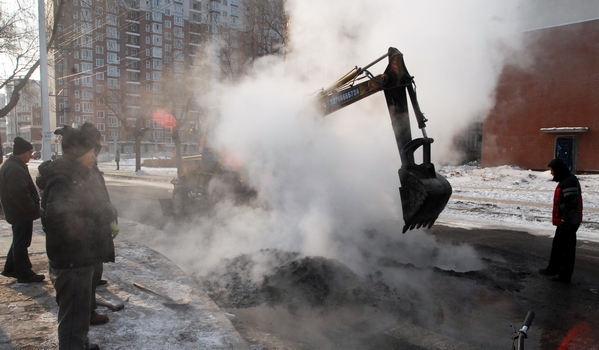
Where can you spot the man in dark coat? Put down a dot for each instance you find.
(567, 216)
(98, 187)
(20, 202)
(78, 234)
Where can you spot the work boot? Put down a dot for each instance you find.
(547, 272)
(93, 347)
(32, 279)
(101, 282)
(98, 319)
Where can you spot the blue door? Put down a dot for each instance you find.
(564, 150)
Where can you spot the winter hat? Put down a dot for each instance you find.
(91, 130)
(21, 146)
(75, 142)
(560, 169)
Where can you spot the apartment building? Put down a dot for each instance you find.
(25, 120)
(117, 63)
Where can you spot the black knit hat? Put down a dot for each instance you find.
(21, 146)
(560, 169)
(75, 142)
(94, 134)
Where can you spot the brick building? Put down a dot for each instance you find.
(550, 107)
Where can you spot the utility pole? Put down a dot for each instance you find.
(45, 95)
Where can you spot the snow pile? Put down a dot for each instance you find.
(508, 196)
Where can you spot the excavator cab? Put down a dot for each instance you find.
(424, 193)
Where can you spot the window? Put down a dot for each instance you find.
(99, 49)
(113, 71)
(99, 62)
(112, 58)
(167, 47)
(234, 11)
(99, 88)
(101, 126)
(156, 52)
(157, 76)
(113, 122)
(87, 94)
(178, 55)
(178, 20)
(148, 64)
(168, 24)
(87, 107)
(179, 9)
(87, 55)
(156, 64)
(77, 107)
(113, 134)
(86, 67)
(87, 81)
(215, 5)
(157, 16)
(100, 76)
(100, 101)
(112, 45)
(147, 39)
(111, 32)
(168, 35)
(179, 32)
(113, 83)
(77, 94)
(156, 28)
(157, 40)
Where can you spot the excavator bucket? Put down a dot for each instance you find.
(423, 197)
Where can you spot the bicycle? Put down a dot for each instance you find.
(520, 335)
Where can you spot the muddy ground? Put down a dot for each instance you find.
(283, 300)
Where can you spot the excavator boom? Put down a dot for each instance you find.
(424, 193)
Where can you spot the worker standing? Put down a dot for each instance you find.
(567, 216)
(21, 205)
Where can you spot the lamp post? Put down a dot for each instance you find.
(46, 133)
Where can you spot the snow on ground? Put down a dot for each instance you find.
(511, 197)
(495, 197)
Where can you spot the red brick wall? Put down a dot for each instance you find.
(559, 89)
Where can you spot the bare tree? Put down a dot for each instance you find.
(19, 43)
(117, 103)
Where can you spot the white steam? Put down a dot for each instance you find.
(326, 180)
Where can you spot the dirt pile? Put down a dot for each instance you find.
(272, 276)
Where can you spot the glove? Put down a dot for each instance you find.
(115, 229)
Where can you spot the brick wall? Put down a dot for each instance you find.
(558, 87)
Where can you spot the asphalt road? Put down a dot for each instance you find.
(459, 311)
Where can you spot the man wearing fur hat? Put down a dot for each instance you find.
(78, 234)
(20, 202)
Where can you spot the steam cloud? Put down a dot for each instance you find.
(327, 180)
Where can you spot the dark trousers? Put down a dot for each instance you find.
(98, 270)
(563, 251)
(74, 296)
(17, 259)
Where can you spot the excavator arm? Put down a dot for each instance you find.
(424, 193)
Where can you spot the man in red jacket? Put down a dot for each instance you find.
(567, 216)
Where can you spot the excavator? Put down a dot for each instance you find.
(424, 193)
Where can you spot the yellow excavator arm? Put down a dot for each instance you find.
(424, 193)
